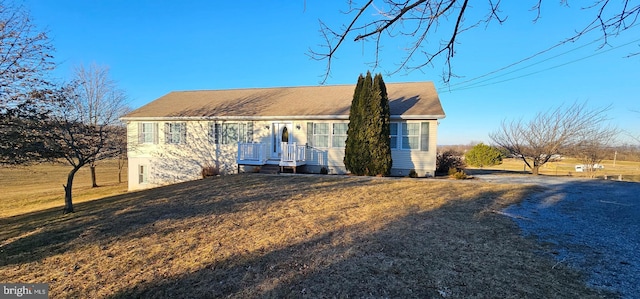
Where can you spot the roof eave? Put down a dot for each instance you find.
(282, 117)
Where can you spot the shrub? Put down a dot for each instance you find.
(324, 170)
(483, 155)
(209, 170)
(457, 174)
(447, 160)
(413, 173)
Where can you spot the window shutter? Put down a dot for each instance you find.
(250, 132)
(183, 132)
(211, 132)
(310, 134)
(216, 133)
(424, 136)
(167, 133)
(140, 135)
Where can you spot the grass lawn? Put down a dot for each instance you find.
(37, 187)
(252, 235)
(629, 171)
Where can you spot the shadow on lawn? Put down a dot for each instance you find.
(458, 250)
(37, 235)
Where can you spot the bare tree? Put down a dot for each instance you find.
(25, 54)
(421, 19)
(121, 147)
(550, 133)
(591, 147)
(25, 60)
(73, 139)
(636, 138)
(99, 101)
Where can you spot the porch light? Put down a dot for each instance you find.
(298, 126)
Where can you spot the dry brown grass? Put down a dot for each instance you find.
(252, 235)
(36, 187)
(629, 171)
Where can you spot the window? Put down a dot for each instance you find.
(147, 133)
(231, 133)
(321, 134)
(175, 133)
(142, 174)
(414, 136)
(393, 135)
(339, 137)
(410, 136)
(424, 136)
(318, 134)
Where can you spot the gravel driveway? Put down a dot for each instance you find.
(592, 225)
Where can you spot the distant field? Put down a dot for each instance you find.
(36, 187)
(630, 171)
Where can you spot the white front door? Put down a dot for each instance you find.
(280, 132)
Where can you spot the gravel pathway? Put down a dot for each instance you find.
(593, 225)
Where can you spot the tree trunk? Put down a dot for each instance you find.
(68, 203)
(535, 170)
(121, 162)
(93, 176)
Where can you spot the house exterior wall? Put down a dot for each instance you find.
(156, 161)
(169, 163)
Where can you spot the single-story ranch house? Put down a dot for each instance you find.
(175, 137)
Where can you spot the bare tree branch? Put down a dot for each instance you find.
(99, 103)
(25, 55)
(419, 19)
(562, 130)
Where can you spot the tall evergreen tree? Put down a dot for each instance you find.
(354, 145)
(380, 118)
(368, 150)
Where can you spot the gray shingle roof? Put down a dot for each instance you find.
(409, 100)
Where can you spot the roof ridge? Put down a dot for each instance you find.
(292, 87)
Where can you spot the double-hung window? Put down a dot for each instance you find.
(319, 134)
(147, 133)
(410, 136)
(393, 135)
(175, 133)
(231, 133)
(142, 174)
(339, 136)
(415, 136)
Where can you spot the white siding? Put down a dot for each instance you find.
(424, 162)
(172, 163)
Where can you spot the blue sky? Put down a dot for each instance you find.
(154, 47)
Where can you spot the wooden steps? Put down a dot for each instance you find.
(270, 169)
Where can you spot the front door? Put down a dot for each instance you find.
(280, 132)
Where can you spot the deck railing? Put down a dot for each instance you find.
(293, 153)
(252, 153)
